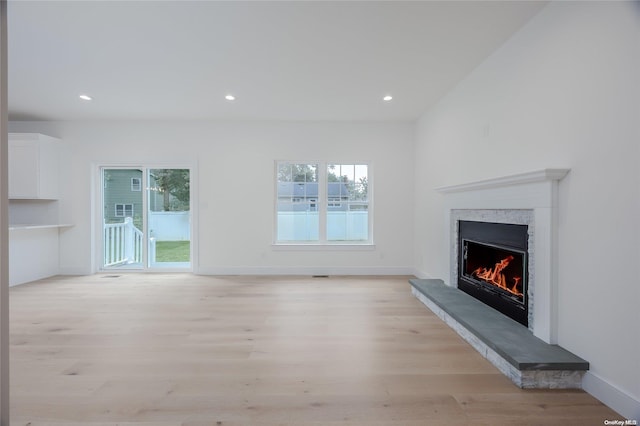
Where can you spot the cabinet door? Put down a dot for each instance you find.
(48, 170)
(23, 169)
(33, 166)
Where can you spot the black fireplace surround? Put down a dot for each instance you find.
(492, 266)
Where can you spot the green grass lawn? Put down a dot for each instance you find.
(172, 251)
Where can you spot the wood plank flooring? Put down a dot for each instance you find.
(179, 349)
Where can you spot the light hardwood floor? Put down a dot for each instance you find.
(178, 349)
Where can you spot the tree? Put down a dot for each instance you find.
(362, 189)
(357, 190)
(332, 177)
(297, 173)
(174, 184)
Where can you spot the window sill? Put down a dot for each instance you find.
(324, 247)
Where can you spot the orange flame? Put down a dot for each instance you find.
(496, 277)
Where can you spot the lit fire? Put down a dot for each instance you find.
(496, 277)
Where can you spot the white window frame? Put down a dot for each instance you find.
(334, 202)
(136, 187)
(124, 210)
(322, 203)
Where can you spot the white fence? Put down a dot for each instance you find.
(170, 226)
(341, 226)
(122, 243)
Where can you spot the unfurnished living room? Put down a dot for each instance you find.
(319, 213)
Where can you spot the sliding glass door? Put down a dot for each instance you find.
(169, 218)
(146, 216)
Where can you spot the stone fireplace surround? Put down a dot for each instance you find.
(516, 217)
(526, 199)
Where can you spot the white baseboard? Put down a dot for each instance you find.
(305, 270)
(421, 274)
(610, 395)
(74, 271)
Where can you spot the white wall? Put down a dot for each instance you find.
(235, 163)
(563, 92)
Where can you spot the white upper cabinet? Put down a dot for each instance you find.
(33, 166)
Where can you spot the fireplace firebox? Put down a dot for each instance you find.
(492, 266)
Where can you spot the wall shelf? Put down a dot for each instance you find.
(23, 227)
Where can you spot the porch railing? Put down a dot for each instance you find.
(122, 243)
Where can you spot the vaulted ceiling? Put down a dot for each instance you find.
(176, 60)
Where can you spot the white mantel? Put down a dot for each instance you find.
(537, 176)
(536, 191)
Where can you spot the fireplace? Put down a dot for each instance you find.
(529, 199)
(493, 266)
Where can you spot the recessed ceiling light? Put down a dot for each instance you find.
(230, 98)
(85, 97)
(387, 98)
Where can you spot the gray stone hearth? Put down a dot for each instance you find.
(527, 360)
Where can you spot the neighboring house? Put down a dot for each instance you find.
(122, 194)
(303, 196)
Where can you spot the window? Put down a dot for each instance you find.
(347, 202)
(322, 203)
(298, 218)
(124, 210)
(334, 202)
(136, 184)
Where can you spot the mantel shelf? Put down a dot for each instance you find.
(21, 227)
(26, 198)
(517, 179)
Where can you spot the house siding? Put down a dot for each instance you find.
(117, 190)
